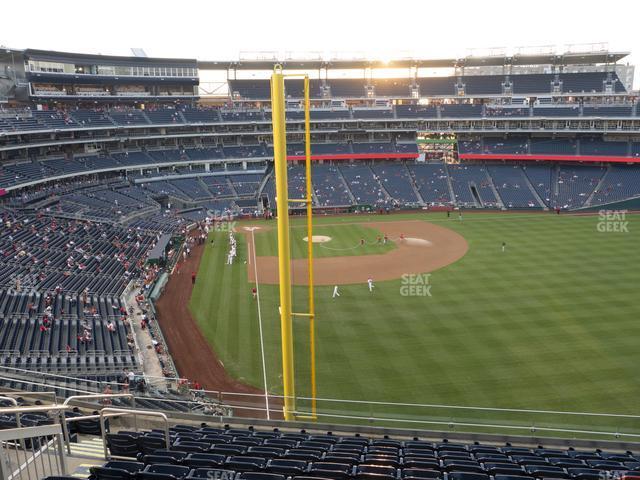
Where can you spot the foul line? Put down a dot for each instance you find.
(264, 365)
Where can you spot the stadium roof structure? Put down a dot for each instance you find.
(568, 58)
(70, 57)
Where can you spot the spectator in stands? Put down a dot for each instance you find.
(156, 346)
(107, 391)
(124, 380)
(131, 377)
(141, 385)
(111, 326)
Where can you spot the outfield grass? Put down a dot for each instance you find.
(553, 323)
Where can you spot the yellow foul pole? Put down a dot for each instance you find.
(284, 252)
(309, 198)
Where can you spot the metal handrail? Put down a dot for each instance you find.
(32, 409)
(135, 413)
(35, 373)
(34, 394)
(64, 420)
(15, 404)
(330, 415)
(471, 424)
(13, 400)
(13, 379)
(424, 405)
(9, 352)
(23, 433)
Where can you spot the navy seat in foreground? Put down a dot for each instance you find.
(247, 464)
(153, 459)
(122, 445)
(163, 472)
(116, 470)
(512, 477)
(420, 474)
(467, 476)
(204, 460)
(286, 467)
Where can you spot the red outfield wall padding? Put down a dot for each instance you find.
(551, 158)
(354, 156)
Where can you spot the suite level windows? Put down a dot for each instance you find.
(48, 67)
(111, 70)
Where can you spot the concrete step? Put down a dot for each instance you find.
(88, 447)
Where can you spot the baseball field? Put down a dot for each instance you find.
(549, 322)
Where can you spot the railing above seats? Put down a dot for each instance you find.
(39, 353)
(32, 452)
(9, 353)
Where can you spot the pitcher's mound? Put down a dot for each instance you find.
(318, 239)
(417, 242)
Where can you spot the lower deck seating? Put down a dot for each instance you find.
(329, 187)
(619, 183)
(397, 181)
(364, 186)
(542, 177)
(512, 186)
(472, 186)
(576, 184)
(431, 181)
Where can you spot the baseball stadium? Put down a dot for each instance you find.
(312, 267)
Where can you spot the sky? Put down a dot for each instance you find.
(228, 30)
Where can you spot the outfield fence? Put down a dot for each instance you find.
(449, 418)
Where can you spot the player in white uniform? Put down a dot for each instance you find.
(370, 283)
(335, 292)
